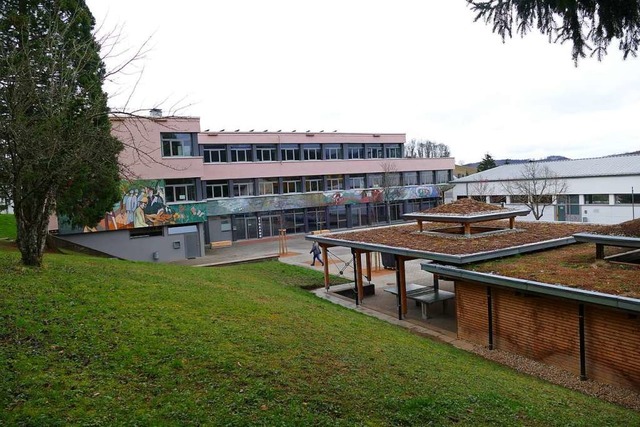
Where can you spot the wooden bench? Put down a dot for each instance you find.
(428, 298)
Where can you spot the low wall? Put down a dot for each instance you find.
(547, 329)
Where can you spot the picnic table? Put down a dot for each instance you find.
(424, 296)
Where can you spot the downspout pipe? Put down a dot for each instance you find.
(583, 357)
(490, 317)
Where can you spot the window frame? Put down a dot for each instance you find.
(310, 181)
(335, 182)
(238, 185)
(290, 152)
(211, 186)
(241, 148)
(589, 199)
(208, 151)
(361, 179)
(271, 149)
(183, 141)
(187, 184)
(288, 182)
(267, 184)
(315, 148)
(331, 149)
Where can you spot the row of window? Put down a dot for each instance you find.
(251, 226)
(589, 199)
(269, 186)
(182, 190)
(185, 144)
(295, 152)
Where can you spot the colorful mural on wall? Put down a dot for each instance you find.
(307, 200)
(143, 205)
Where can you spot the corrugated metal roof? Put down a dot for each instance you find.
(579, 168)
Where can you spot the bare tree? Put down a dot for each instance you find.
(426, 149)
(390, 185)
(479, 188)
(537, 186)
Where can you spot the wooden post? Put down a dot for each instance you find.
(403, 284)
(325, 260)
(436, 282)
(599, 251)
(359, 275)
(368, 259)
(282, 241)
(512, 222)
(467, 229)
(420, 224)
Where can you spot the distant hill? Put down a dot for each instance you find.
(516, 161)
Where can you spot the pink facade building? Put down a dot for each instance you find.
(224, 186)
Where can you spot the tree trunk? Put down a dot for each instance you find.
(32, 221)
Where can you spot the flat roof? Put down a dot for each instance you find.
(573, 266)
(407, 240)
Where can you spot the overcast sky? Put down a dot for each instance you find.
(420, 67)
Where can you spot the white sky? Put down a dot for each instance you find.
(420, 67)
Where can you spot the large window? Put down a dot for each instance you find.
(498, 199)
(268, 186)
(627, 199)
(180, 190)
(355, 151)
(176, 144)
(241, 153)
(333, 152)
(294, 221)
(290, 152)
(266, 153)
(337, 217)
(442, 177)
(243, 188)
(357, 182)
(374, 151)
(311, 152)
(393, 151)
(426, 177)
(522, 199)
(375, 180)
(217, 189)
(596, 199)
(313, 184)
(215, 153)
(391, 179)
(292, 185)
(335, 182)
(411, 178)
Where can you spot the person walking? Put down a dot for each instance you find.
(315, 250)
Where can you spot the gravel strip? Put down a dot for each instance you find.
(609, 393)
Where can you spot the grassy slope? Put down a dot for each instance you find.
(98, 341)
(7, 226)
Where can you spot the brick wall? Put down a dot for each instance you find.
(547, 329)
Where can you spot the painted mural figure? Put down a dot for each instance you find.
(138, 215)
(130, 205)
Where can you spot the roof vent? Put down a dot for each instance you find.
(155, 112)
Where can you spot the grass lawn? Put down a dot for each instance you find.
(7, 226)
(97, 341)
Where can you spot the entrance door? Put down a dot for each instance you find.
(270, 225)
(562, 212)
